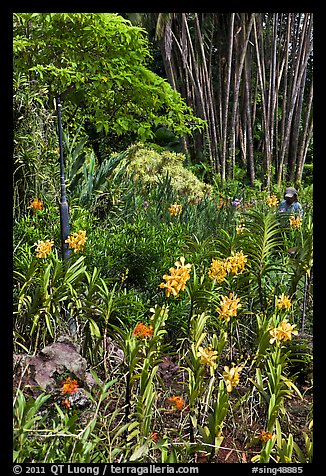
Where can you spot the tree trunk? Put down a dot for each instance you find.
(305, 138)
(226, 98)
(262, 81)
(305, 48)
(207, 84)
(238, 75)
(248, 122)
(253, 99)
(295, 131)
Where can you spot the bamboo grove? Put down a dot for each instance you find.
(249, 76)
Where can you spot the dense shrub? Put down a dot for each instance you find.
(150, 166)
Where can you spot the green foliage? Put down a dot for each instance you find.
(150, 167)
(212, 432)
(262, 241)
(26, 419)
(110, 288)
(100, 66)
(61, 437)
(99, 62)
(34, 144)
(41, 294)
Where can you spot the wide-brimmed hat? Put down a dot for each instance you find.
(290, 192)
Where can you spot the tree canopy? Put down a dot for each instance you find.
(99, 64)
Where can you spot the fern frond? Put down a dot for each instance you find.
(262, 240)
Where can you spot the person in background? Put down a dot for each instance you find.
(290, 203)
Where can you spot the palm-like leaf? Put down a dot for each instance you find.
(262, 240)
(96, 179)
(75, 158)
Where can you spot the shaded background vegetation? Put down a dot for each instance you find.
(246, 77)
